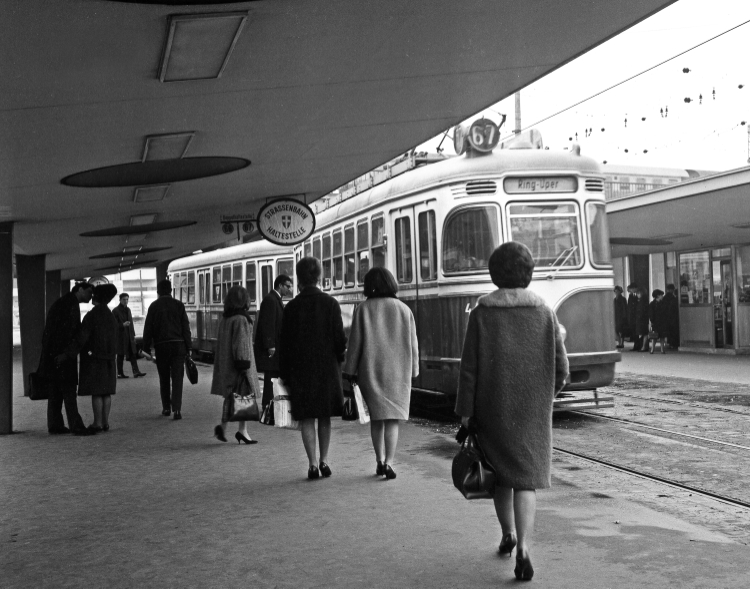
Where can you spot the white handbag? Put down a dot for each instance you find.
(364, 412)
(282, 408)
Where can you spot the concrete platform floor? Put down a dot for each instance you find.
(159, 503)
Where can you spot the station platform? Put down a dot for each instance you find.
(159, 503)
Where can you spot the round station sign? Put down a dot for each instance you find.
(286, 221)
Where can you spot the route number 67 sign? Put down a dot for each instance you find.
(482, 135)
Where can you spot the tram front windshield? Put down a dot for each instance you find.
(549, 230)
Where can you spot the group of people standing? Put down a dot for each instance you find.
(646, 322)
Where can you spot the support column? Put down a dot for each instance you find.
(161, 271)
(31, 310)
(6, 328)
(64, 288)
(53, 290)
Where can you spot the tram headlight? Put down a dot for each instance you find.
(563, 332)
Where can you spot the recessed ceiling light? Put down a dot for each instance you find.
(198, 46)
(166, 147)
(150, 193)
(142, 219)
(133, 229)
(130, 251)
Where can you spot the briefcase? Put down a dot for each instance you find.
(38, 387)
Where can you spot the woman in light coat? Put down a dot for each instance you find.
(383, 357)
(233, 357)
(512, 366)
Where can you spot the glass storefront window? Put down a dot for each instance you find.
(695, 279)
(743, 273)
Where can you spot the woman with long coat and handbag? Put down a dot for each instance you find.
(513, 365)
(234, 363)
(311, 350)
(382, 358)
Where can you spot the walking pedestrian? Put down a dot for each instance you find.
(97, 344)
(233, 359)
(641, 321)
(621, 316)
(382, 358)
(657, 316)
(167, 326)
(311, 349)
(58, 369)
(632, 315)
(267, 333)
(126, 338)
(672, 310)
(513, 365)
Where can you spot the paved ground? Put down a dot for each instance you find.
(713, 367)
(158, 503)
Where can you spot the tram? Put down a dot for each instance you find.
(435, 227)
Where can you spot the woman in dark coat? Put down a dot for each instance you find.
(632, 312)
(513, 365)
(641, 321)
(621, 316)
(311, 349)
(125, 338)
(97, 343)
(657, 316)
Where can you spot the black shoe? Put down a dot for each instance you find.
(83, 431)
(58, 431)
(388, 472)
(325, 470)
(379, 470)
(165, 412)
(122, 376)
(219, 434)
(524, 571)
(94, 429)
(138, 374)
(507, 544)
(177, 416)
(313, 472)
(240, 438)
(105, 427)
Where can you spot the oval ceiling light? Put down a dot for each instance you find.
(126, 267)
(128, 254)
(130, 229)
(155, 172)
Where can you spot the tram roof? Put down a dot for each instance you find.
(462, 169)
(255, 249)
(313, 94)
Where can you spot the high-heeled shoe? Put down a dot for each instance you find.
(379, 470)
(523, 571)
(313, 472)
(105, 427)
(240, 438)
(219, 434)
(507, 544)
(325, 470)
(388, 472)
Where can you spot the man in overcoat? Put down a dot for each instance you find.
(672, 307)
(268, 331)
(125, 338)
(58, 370)
(168, 328)
(632, 313)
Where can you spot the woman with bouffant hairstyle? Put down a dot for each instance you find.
(512, 366)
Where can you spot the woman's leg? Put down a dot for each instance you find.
(661, 344)
(390, 437)
(97, 406)
(503, 499)
(107, 405)
(242, 428)
(324, 437)
(524, 505)
(377, 427)
(308, 439)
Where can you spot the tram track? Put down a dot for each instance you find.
(672, 483)
(683, 403)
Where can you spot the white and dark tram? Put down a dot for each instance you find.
(435, 227)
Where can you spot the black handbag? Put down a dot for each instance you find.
(191, 369)
(244, 406)
(472, 474)
(350, 413)
(267, 416)
(38, 387)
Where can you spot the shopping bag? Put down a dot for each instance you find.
(191, 369)
(244, 404)
(472, 474)
(363, 413)
(282, 407)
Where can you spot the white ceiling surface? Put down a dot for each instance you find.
(691, 215)
(314, 94)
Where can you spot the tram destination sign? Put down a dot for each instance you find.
(536, 184)
(286, 221)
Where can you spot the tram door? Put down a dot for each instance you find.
(723, 320)
(202, 301)
(266, 280)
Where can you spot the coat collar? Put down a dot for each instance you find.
(511, 297)
(310, 291)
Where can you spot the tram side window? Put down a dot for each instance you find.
(285, 267)
(250, 281)
(316, 249)
(549, 230)
(183, 287)
(338, 260)
(226, 281)
(308, 249)
(596, 215)
(363, 251)
(216, 284)
(470, 237)
(427, 246)
(266, 280)
(207, 286)
(378, 242)
(191, 288)
(237, 274)
(201, 287)
(403, 250)
(326, 262)
(349, 257)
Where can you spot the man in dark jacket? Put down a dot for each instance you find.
(167, 326)
(672, 309)
(58, 370)
(632, 314)
(125, 338)
(268, 331)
